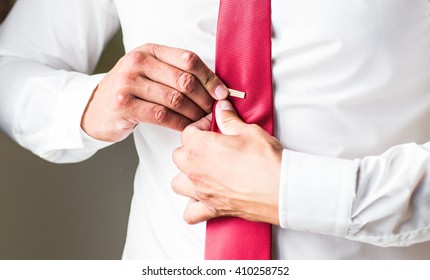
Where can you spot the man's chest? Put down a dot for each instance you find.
(195, 20)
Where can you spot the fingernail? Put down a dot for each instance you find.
(221, 92)
(225, 105)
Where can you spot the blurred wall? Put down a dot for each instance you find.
(71, 211)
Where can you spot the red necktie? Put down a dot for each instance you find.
(243, 62)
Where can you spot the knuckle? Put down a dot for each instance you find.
(122, 99)
(186, 82)
(176, 100)
(202, 196)
(161, 114)
(151, 48)
(194, 177)
(275, 144)
(255, 131)
(136, 58)
(190, 59)
(216, 212)
(254, 128)
(125, 80)
(190, 155)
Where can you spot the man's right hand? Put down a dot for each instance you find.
(154, 84)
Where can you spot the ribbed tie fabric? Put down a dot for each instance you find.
(243, 62)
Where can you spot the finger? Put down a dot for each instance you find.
(227, 119)
(158, 71)
(180, 160)
(173, 99)
(183, 186)
(147, 112)
(203, 124)
(191, 63)
(197, 212)
(196, 134)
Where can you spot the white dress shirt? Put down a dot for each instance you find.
(352, 102)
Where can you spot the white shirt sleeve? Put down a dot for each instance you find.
(382, 200)
(48, 48)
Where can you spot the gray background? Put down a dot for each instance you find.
(70, 211)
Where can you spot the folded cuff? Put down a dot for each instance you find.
(316, 193)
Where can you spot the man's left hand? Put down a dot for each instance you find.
(235, 173)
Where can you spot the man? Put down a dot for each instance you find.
(342, 179)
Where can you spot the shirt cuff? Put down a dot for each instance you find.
(92, 143)
(316, 193)
(66, 129)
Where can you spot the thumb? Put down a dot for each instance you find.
(227, 119)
